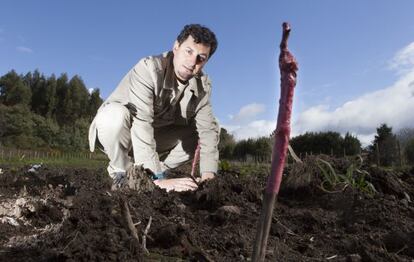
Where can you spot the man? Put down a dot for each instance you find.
(161, 109)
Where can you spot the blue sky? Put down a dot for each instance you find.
(356, 58)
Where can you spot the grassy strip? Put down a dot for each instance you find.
(245, 168)
(55, 162)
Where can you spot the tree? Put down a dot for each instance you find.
(351, 145)
(39, 111)
(13, 91)
(50, 97)
(326, 143)
(43, 93)
(384, 146)
(320, 143)
(74, 137)
(18, 127)
(405, 135)
(3, 121)
(263, 149)
(47, 130)
(409, 151)
(95, 101)
(241, 149)
(62, 88)
(226, 144)
(75, 101)
(330, 143)
(37, 84)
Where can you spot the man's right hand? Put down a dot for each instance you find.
(176, 184)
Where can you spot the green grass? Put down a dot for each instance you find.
(245, 168)
(56, 162)
(354, 177)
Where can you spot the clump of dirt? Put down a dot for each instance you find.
(72, 215)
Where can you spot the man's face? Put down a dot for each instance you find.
(189, 58)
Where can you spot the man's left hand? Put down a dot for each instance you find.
(207, 176)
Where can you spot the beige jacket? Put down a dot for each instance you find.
(150, 90)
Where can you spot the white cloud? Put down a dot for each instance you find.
(90, 90)
(393, 105)
(403, 61)
(253, 129)
(366, 139)
(24, 49)
(248, 112)
(244, 124)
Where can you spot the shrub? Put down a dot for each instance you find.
(409, 152)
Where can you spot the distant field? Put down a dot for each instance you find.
(20, 158)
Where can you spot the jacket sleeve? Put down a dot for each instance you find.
(141, 96)
(209, 134)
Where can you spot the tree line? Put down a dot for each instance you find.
(386, 149)
(47, 112)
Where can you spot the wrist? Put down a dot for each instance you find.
(158, 176)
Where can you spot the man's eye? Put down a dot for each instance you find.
(188, 51)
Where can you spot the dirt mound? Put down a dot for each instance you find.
(72, 215)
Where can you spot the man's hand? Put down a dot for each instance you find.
(207, 176)
(176, 184)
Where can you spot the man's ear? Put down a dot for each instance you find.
(176, 45)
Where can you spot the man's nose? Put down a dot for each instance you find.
(192, 61)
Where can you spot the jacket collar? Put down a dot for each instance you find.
(193, 82)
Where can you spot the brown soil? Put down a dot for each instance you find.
(71, 215)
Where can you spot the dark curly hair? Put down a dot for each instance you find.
(201, 34)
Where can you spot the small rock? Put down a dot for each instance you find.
(311, 239)
(394, 241)
(35, 168)
(181, 206)
(230, 209)
(404, 202)
(390, 197)
(353, 258)
(407, 196)
(9, 220)
(23, 191)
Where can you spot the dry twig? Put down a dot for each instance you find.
(144, 236)
(70, 242)
(128, 219)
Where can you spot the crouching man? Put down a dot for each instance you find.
(160, 110)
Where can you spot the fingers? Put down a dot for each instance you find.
(184, 184)
(177, 184)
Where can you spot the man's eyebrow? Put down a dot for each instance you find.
(201, 54)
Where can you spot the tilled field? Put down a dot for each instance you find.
(72, 215)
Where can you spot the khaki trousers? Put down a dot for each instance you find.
(174, 144)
